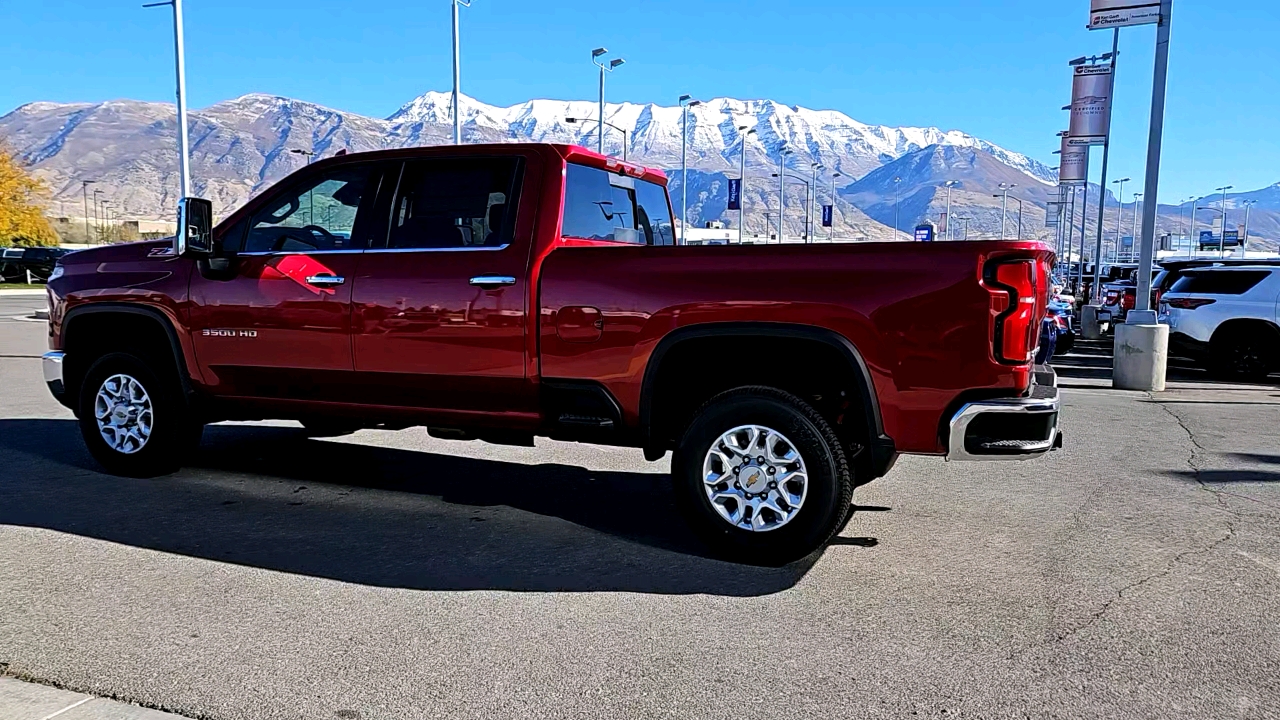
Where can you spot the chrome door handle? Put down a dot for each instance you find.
(492, 281)
(325, 280)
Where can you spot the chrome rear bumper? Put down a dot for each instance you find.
(52, 362)
(1008, 429)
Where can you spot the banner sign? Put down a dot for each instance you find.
(1206, 239)
(1106, 14)
(1231, 238)
(1073, 163)
(828, 215)
(735, 194)
(1090, 105)
(942, 226)
(1052, 210)
(925, 232)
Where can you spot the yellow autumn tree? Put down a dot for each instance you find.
(22, 221)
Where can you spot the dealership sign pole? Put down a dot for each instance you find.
(1091, 125)
(1154, 145)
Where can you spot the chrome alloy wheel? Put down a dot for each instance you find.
(124, 414)
(755, 478)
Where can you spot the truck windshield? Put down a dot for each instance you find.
(600, 205)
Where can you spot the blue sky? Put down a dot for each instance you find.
(993, 68)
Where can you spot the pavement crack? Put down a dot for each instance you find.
(1192, 462)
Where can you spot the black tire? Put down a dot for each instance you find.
(1244, 353)
(175, 432)
(825, 507)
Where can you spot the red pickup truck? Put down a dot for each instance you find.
(503, 292)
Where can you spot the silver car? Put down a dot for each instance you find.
(1225, 318)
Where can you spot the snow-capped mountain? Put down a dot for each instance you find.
(243, 145)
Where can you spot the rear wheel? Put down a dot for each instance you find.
(1245, 353)
(762, 477)
(134, 417)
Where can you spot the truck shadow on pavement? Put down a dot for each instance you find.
(268, 497)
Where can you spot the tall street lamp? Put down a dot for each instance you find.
(1133, 227)
(802, 181)
(1120, 210)
(813, 198)
(625, 135)
(1006, 200)
(743, 132)
(1004, 189)
(897, 214)
(1244, 238)
(1191, 233)
(610, 67)
(97, 222)
(184, 144)
(84, 190)
(457, 71)
(965, 220)
(686, 102)
(1223, 238)
(831, 233)
(949, 184)
(782, 189)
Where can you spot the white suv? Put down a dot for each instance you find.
(1225, 319)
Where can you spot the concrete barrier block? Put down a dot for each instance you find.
(1141, 357)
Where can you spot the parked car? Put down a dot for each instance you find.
(1064, 326)
(503, 292)
(1224, 318)
(16, 263)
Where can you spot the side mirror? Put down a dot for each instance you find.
(195, 228)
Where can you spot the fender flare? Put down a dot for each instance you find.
(154, 314)
(883, 452)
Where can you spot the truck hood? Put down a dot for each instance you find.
(123, 252)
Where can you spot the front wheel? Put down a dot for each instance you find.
(134, 418)
(762, 477)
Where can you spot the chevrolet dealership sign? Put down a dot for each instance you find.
(1106, 14)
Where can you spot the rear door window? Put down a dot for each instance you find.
(600, 205)
(456, 204)
(1219, 282)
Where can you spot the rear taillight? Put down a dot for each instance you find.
(1189, 303)
(1014, 289)
(1112, 296)
(1128, 300)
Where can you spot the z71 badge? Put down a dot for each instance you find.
(217, 332)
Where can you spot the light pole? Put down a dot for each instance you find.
(309, 154)
(782, 189)
(1244, 238)
(831, 234)
(1004, 202)
(1119, 210)
(1133, 228)
(184, 144)
(781, 182)
(1004, 207)
(965, 220)
(97, 221)
(457, 71)
(613, 65)
(897, 213)
(1191, 232)
(1222, 239)
(626, 143)
(686, 102)
(813, 198)
(84, 191)
(742, 183)
(949, 184)
(1182, 217)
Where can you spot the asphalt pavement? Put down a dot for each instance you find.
(1134, 574)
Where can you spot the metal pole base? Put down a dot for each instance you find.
(1141, 357)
